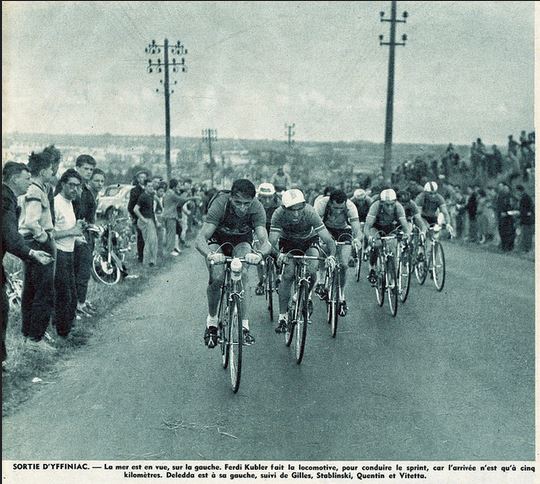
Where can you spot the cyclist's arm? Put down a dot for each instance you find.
(264, 245)
(444, 211)
(405, 225)
(327, 238)
(273, 238)
(420, 222)
(201, 244)
(356, 228)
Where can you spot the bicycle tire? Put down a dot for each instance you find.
(235, 343)
(358, 265)
(404, 276)
(223, 328)
(105, 272)
(391, 286)
(269, 286)
(301, 323)
(439, 266)
(333, 303)
(421, 266)
(380, 285)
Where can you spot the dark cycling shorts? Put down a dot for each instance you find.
(341, 235)
(385, 229)
(286, 245)
(430, 220)
(230, 242)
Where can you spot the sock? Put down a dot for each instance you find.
(211, 321)
(245, 324)
(283, 316)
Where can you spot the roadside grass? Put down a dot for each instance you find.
(25, 365)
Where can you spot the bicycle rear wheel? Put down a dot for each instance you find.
(380, 285)
(439, 266)
(235, 343)
(421, 265)
(301, 325)
(391, 286)
(106, 272)
(404, 276)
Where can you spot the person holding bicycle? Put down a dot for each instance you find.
(296, 226)
(383, 217)
(266, 194)
(228, 232)
(429, 201)
(340, 216)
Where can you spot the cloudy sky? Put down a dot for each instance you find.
(80, 67)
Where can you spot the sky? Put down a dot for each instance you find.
(467, 69)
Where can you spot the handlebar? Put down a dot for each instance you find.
(228, 260)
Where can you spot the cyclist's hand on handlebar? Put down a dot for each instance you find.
(216, 257)
(281, 258)
(330, 262)
(357, 242)
(253, 258)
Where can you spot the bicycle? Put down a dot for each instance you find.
(333, 290)
(109, 253)
(433, 261)
(298, 310)
(404, 270)
(14, 287)
(270, 283)
(386, 275)
(230, 331)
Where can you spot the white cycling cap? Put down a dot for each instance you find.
(388, 195)
(431, 187)
(359, 193)
(266, 189)
(292, 197)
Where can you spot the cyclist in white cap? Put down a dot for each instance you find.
(297, 226)
(362, 203)
(266, 193)
(429, 201)
(384, 216)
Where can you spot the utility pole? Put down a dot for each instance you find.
(209, 135)
(290, 133)
(387, 161)
(158, 66)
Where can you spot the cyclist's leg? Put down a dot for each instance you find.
(215, 279)
(312, 266)
(344, 262)
(373, 252)
(240, 250)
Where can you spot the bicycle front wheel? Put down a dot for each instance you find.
(380, 285)
(391, 286)
(302, 318)
(223, 328)
(439, 266)
(421, 267)
(235, 343)
(404, 276)
(269, 286)
(333, 302)
(104, 271)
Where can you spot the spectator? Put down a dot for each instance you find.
(139, 182)
(526, 218)
(146, 222)
(85, 206)
(504, 207)
(36, 227)
(171, 199)
(55, 157)
(460, 211)
(66, 229)
(472, 211)
(280, 180)
(15, 182)
(513, 153)
(158, 211)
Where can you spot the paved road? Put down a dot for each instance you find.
(451, 378)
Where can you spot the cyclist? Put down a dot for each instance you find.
(228, 231)
(429, 201)
(412, 212)
(384, 216)
(266, 193)
(362, 203)
(340, 218)
(296, 225)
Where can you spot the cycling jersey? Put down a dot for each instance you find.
(231, 227)
(429, 204)
(384, 221)
(336, 219)
(309, 225)
(362, 206)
